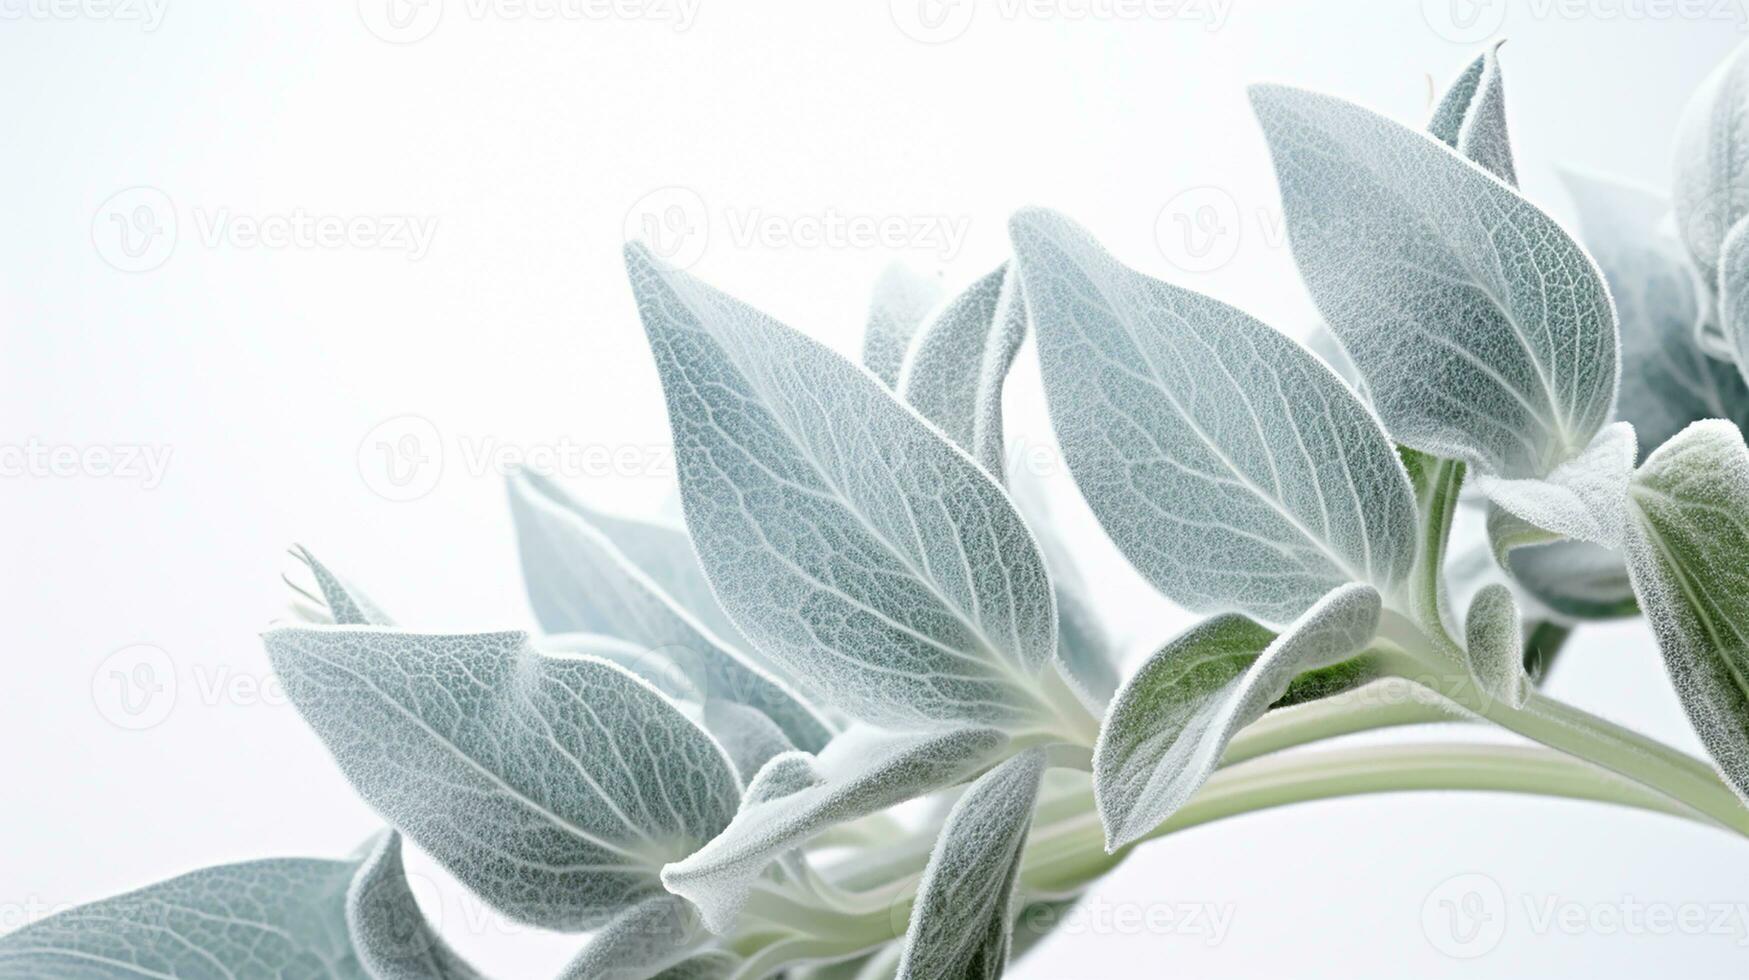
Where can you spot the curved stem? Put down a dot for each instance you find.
(1064, 856)
(1578, 733)
(1386, 703)
(1065, 863)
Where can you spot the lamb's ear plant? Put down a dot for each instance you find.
(869, 604)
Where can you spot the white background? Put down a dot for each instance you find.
(262, 370)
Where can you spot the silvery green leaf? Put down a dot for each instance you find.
(1575, 580)
(1733, 303)
(955, 369)
(1584, 498)
(339, 601)
(1471, 117)
(580, 580)
(276, 918)
(870, 559)
(1086, 652)
(662, 551)
(961, 918)
(1686, 551)
(712, 965)
(1484, 331)
(1231, 467)
(554, 786)
(793, 798)
(1666, 380)
(390, 934)
(1712, 161)
(657, 933)
(748, 737)
(1173, 718)
(1494, 638)
(902, 298)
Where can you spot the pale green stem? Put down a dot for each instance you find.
(1561, 726)
(1063, 857)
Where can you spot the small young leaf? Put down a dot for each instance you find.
(1712, 161)
(1494, 637)
(868, 557)
(955, 369)
(1173, 718)
(1232, 468)
(277, 918)
(902, 299)
(1666, 380)
(579, 580)
(554, 786)
(1485, 333)
(1733, 303)
(1686, 551)
(960, 921)
(1584, 498)
(644, 940)
(793, 798)
(1471, 118)
(342, 603)
(390, 934)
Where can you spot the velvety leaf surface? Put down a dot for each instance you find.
(278, 918)
(954, 372)
(1173, 718)
(1688, 550)
(902, 298)
(1485, 333)
(961, 919)
(643, 941)
(1471, 117)
(869, 558)
(1494, 638)
(555, 786)
(1666, 380)
(392, 938)
(1712, 161)
(793, 798)
(580, 580)
(1232, 468)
